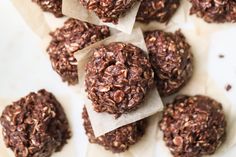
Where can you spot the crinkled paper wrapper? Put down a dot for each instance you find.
(73, 8)
(103, 122)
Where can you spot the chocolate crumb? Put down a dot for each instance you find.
(228, 87)
(35, 125)
(118, 140)
(221, 56)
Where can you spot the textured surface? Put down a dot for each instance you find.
(157, 10)
(117, 140)
(35, 125)
(193, 126)
(73, 36)
(171, 60)
(52, 6)
(109, 10)
(118, 76)
(214, 11)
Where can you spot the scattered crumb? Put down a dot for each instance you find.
(221, 56)
(228, 87)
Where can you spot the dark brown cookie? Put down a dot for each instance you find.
(214, 11)
(193, 126)
(171, 60)
(157, 10)
(109, 10)
(36, 125)
(73, 36)
(118, 140)
(52, 6)
(118, 77)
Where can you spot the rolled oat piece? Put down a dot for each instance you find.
(193, 126)
(35, 125)
(109, 10)
(118, 140)
(214, 11)
(118, 77)
(171, 59)
(73, 36)
(157, 10)
(52, 6)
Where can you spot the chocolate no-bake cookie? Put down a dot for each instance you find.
(193, 126)
(157, 10)
(118, 76)
(171, 60)
(118, 140)
(109, 10)
(214, 11)
(52, 6)
(73, 36)
(35, 126)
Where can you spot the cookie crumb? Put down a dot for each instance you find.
(228, 87)
(221, 56)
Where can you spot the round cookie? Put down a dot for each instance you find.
(36, 125)
(212, 11)
(193, 126)
(109, 10)
(118, 77)
(118, 140)
(171, 60)
(73, 36)
(157, 10)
